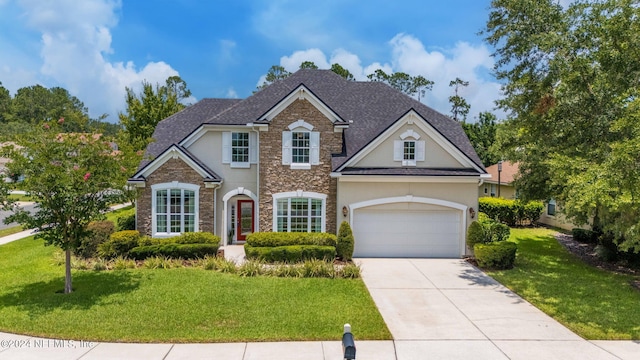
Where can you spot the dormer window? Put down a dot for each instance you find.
(409, 149)
(300, 146)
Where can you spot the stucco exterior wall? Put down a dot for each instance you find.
(382, 155)
(506, 191)
(350, 192)
(277, 178)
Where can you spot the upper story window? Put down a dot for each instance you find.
(239, 149)
(300, 146)
(409, 149)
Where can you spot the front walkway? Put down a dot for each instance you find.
(448, 309)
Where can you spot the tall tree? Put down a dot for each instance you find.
(276, 73)
(459, 106)
(410, 85)
(72, 177)
(571, 80)
(5, 103)
(308, 65)
(146, 109)
(482, 135)
(338, 69)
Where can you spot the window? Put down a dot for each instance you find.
(486, 189)
(300, 146)
(239, 149)
(299, 212)
(551, 207)
(493, 190)
(175, 208)
(409, 149)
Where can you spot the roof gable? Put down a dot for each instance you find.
(173, 152)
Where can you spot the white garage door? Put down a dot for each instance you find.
(406, 233)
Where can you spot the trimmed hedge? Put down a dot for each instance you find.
(183, 251)
(271, 239)
(496, 255)
(186, 238)
(475, 234)
(486, 230)
(100, 233)
(290, 253)
(344, 248)
(119, 244)
(126, 220)
(510, 212)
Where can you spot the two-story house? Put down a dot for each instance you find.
(305, 154)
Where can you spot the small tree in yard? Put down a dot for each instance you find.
(344, 248)
(73, 178)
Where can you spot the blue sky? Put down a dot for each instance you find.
(96, 48)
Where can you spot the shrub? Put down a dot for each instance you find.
(496, 255)
(251, 268)
(271, 239)
(119, 244)
(584, 236)
(498, 231)
(475, 234)
(318, 269)
(183, 251)
(122, 263)
(186, 238)
(349, 271)
(510, 212)
(126, 220)
(218, 263)
(100, 233)
(290, 254)
(345, 244)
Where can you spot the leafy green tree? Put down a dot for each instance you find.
(570, 90)
(277, 73)
(482, 135)
(73, 178)
(5, 103)
(338, 69)
(145, 110)
(459, 106)
(308, 65)
(410, 85)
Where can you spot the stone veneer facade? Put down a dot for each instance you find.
(175, 170)
(276, 178)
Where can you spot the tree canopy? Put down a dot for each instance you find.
(459, 106)
(571, 91)
(146, 109)
(73, 177)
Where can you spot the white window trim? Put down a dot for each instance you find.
(227, 150)
(398, 148)
(287, 145)
(299, 194)
(169, 186)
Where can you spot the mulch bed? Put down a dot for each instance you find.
(587, 253)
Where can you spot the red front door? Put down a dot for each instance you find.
(245, 219)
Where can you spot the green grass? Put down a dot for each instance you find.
(175, 305)
(593, 303)
(19, 197)
(10, 231)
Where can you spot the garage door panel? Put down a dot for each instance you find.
(401, 232)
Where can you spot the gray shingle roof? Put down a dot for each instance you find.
(368, 107)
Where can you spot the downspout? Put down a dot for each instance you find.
(256, 224)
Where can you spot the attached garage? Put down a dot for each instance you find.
(408, 229)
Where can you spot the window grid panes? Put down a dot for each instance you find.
(240, 147)
(175, 211)
(409, 150)
(300, 147)
(299, 215)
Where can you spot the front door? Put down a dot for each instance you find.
(245, 219)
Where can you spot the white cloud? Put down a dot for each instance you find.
(232, 94)
(469, 62)
(75, 39)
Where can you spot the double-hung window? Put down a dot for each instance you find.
(300, 146)
(409, 149)
(239, 149)
(175, 209)
(299, 212)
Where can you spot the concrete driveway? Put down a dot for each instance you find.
(448, 309)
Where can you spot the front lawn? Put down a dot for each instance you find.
(593, 303)
(175, 305)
